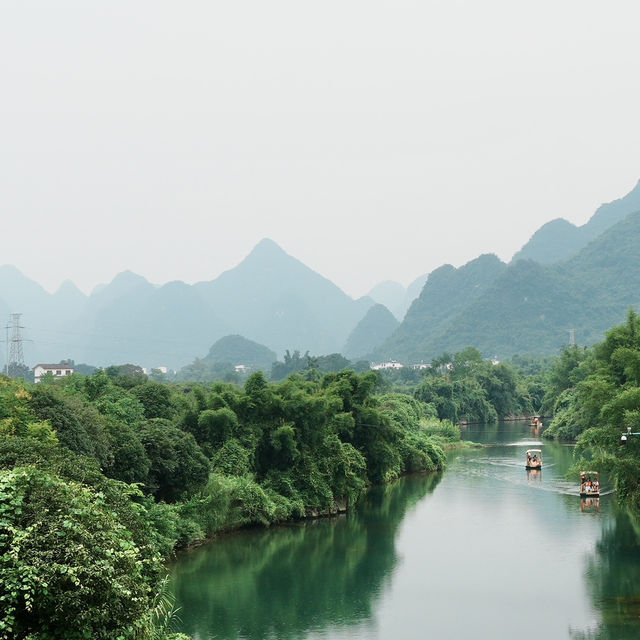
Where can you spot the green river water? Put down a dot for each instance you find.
(486, 550)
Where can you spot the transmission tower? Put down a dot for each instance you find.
(6, 342)
(15, 353)
(572, 337)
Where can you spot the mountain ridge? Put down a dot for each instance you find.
(558, 239)
(530, 307)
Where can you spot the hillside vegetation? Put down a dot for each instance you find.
(525, 307)
(376, 326)
(559, 239)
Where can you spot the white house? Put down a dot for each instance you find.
(58, 370)
(392, 364)
(149, 370)
(243, 369)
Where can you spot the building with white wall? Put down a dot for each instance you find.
(57, 370)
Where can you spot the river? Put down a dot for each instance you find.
(486, 550)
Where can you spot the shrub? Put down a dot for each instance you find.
(68, 567)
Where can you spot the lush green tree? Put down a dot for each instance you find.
(232, 459)
(292, 363)
(78, 425)
(155, 398)
(68, 567)
(565, 373)
(129, 461)
(215, 427)
(177, 465)
(601, 401)
(126, 375)
(119, 404)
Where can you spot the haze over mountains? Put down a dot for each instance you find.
(270, 297)
(565, 277)
(528, 307)
(559, 239)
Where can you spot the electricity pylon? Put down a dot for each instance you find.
(15, 353)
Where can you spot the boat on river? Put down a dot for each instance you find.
(589, 484)
(534, 459)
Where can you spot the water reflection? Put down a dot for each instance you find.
(613, 579)
(590, 505)
(291, 580)
(534, 476)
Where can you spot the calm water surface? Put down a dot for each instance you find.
(487, 550)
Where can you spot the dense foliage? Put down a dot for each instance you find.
(466, 388)
(596, 396)
(101, 477)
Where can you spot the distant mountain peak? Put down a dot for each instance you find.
(128, 276)
(10, 270)
(268, 243)
(69, 289)
(373, 329)
(266, 248)
(12, 279)
(559, 239)
(9, 273)
(124, 283)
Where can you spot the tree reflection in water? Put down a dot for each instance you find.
(289, 580)
(613, 577)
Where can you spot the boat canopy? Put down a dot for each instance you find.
(534, 450)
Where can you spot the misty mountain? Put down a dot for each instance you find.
(392, 295)
(376, 326)
(236, 350)
(45, 316)
(270, 297)
(395, 297)
(5, 310)
(124, 284)
(414, 289)
(131, 320)
(559, 239)
(447, 292)
(19, 292)
(274, 299)
(528, 307)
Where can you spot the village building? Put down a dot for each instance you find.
(392, 364)
(57, 370)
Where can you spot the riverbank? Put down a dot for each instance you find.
(363, 576)
(339, 506)
(167, 467)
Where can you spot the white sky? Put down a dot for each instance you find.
(372, 140)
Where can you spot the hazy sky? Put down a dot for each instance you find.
(372, 140)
